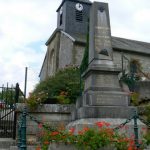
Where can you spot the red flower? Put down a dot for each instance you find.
(71, 131)
(80, 132)
(107, 124)
(144, 128)
(40, 125)
(85, 129)
(130, 148)
(46, 143)
(38, 148)
(54, 133)
(100, 124)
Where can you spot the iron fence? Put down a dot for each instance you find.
(9, 96)
(22, 145)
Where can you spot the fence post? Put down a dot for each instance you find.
(23, 130)
(17, 93)
(19, 133)
(15, 115)
(136, 139)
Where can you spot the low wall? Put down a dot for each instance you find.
(53, 114)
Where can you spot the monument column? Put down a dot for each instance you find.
(100, 47)
(102, 98)
(101, 78)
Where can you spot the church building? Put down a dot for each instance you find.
(66, 45)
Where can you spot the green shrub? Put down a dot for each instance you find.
(63, 88)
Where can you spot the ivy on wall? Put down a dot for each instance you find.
(85, 60)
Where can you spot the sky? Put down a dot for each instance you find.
(25, 26)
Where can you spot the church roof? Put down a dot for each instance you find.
(121, 44)
(130, 45)
(118, 43)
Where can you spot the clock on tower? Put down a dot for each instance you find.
(73, 16)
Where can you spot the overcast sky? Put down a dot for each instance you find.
(25, 25)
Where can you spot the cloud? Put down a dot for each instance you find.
(22, 24)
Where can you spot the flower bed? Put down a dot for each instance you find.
(101, 137)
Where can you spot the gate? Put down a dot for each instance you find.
(9, 96)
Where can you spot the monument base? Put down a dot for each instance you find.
(128, 129)
(102, 112)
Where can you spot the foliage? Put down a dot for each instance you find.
(147, 113)
(101, 135)
(135, 98)
(85, 60)
(147, 138)
(8, 96)
(63, 88)
(134, 75)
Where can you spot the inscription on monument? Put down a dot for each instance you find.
(104, 99)
(102, 34)
(107, 99)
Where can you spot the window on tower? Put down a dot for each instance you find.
(79, 16)
(61, 17)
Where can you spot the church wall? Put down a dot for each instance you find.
(144, 59)
(78, 53)
(51, 59)
(65, 51)
(43, 73)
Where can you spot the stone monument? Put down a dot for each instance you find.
(102, 98)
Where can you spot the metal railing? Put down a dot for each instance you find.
(22, 145)
(9, 96)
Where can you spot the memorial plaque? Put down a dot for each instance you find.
(107, 99)
(100, 33)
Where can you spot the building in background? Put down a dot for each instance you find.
(66, 45)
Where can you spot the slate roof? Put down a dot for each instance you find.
(130, 45)
(117, 43)
(121, 44)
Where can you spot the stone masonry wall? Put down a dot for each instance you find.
(46, 68)
(52, 114)
(66, 51)
(144, 59)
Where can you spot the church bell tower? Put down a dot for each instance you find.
(72, 16)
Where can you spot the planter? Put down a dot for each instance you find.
(62, 146)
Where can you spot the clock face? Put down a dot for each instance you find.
(79, 7)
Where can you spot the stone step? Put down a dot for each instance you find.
(28, 148)
(5, 143)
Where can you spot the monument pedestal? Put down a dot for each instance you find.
(102, 87)
(103, 98)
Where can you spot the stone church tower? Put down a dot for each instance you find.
(66, 45)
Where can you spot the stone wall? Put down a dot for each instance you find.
(53, 114)
(47, 68)
(144, 59)
(78, 53)
(66, 51)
